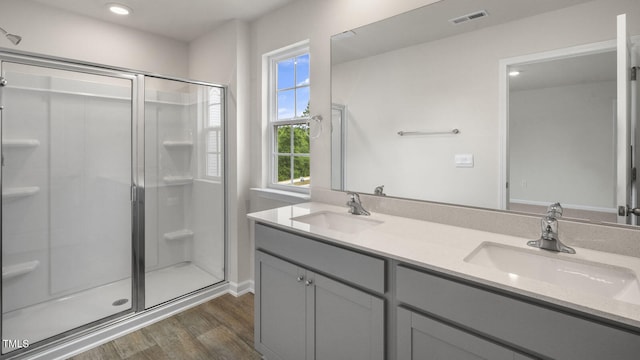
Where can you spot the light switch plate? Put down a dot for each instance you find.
(464, 160)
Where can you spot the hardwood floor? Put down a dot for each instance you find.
(219, 329)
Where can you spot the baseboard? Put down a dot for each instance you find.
(242, 288)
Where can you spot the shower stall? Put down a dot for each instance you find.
(113, 195)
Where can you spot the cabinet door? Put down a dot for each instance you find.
(280, 309)
(345, 323)
(422, 338)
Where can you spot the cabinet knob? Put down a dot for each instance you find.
(300, 278)
(308, 282)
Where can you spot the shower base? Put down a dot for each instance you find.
(44, 320)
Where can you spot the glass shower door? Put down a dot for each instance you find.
(66, 200)
(184, 188)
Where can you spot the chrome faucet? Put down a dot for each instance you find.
(379, 191)
(549, 239)
(355, 206)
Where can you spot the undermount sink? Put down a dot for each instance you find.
(559, 269)
(345, 223)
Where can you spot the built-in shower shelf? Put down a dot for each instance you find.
(183, 234)
(178, 180)
(177, 144)
(20, 143)
(18, 192)
(16, 270)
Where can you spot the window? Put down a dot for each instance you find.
(212, 131)
(289, 90)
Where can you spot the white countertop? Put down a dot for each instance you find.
(443, 248)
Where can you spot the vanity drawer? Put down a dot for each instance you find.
(531, 327)
(360, 269)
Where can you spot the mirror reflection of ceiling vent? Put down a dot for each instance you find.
(468, 17)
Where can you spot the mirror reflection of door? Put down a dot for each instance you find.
(562, 135)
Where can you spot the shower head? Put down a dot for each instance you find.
(15, 39)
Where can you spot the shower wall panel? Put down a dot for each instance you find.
(91, 209)
(168, 170)
(66, 198)
(25, 225)
(208, 225)
(79, 217)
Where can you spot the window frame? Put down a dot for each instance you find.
(272, 117)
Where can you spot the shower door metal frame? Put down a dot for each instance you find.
(138, 200)
(137, 227)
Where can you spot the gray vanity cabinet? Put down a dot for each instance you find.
(302, 314)
(423, 338)
(347, 323)
(280, 303)
(533, 328)
(316, 300)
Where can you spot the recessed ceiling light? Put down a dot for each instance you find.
(119, 9)
(514, 73)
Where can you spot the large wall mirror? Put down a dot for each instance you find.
(500, 104)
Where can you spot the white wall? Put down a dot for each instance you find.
(420, 92)
(50, 31)
(562, 145)
(78, 224)
(222, 57)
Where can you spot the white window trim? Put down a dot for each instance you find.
(271, 60)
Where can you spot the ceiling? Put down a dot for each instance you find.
(183, 20)
(431, 22)
(588, 68)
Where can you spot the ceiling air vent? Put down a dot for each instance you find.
(468, 17)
